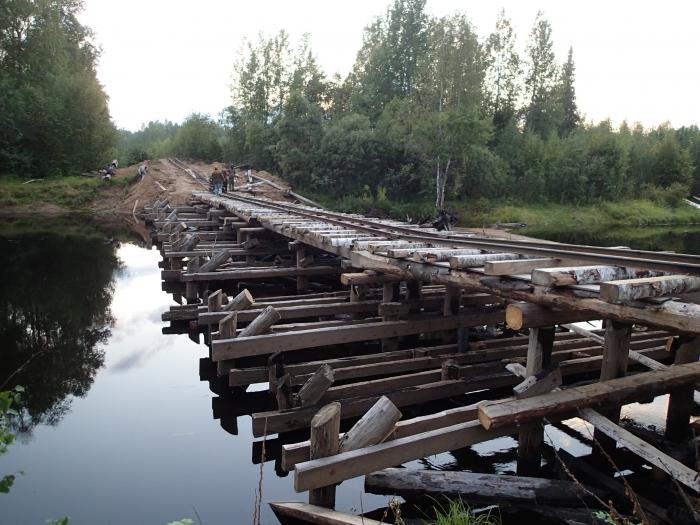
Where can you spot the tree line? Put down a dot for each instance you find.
(54, 118)
(429, 110)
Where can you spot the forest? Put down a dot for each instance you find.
(429, 113)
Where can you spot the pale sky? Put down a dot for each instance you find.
(163, 59)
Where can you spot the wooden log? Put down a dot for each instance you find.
(217, 260)
(242, 301)
(313, 390)
(472, 486)
(635, 289)
(566, 276)
(190, 242)
(262, 273)
(374, 427)
(368, 277)
(267, 344)
(519, 266)
(227, 326)
(613, 392)
(325, 426)
(214, 301)
(346, 465)
(261, 323)
(172, 217)
(531, 437)
(671, 466)
(319, 515)
(472, 261)
(544, 381)
(680, 401)
(526, 315)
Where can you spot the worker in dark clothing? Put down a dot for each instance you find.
(217, 181)
(224, 179)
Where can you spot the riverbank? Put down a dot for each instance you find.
(485, 213)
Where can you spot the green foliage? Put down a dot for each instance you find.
(61, 521)
(458, 513)
(198, 138)
(73, 193)
(186, 521)
(152, 141)
(54, 118)
(8, 398)
(429, 108)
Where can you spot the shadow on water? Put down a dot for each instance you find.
(55, 295)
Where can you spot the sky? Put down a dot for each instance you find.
(164, 59)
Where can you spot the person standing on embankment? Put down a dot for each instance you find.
(217, 180)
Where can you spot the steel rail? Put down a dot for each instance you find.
(675, 263)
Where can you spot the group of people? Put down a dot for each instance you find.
(221, 180)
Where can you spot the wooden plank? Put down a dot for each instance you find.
(267, 273)
(613, 392)
(635, 289)
(566, 276)
(518, 266)
(671, 466)
(269, 343)
(346, 465)
(472, 486)
(318, 515)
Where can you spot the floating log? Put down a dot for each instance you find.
(261, 323)
(472, 486)
(635, 289)
(325, 426)
(566, 276)
(372, 428)
(613, 392)
(242, 301)
(316, 386)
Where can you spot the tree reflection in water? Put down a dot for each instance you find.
(55, 294)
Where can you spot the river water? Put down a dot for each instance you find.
(116, 427)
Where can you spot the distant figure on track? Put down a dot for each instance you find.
(224, 177)
(217, 181)
(231, 178)
(142, 171)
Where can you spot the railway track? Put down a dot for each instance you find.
(648, 260)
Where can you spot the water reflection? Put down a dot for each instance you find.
(55, 295)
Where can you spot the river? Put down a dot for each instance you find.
(116, 427)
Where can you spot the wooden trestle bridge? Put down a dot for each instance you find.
(371, 325)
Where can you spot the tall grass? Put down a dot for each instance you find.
(458, 513)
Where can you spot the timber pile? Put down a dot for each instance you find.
(383, 343)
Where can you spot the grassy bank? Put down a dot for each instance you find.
(64, 193)
(482, 212)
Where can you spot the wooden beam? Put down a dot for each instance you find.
(635, 289)
(318, 515)
(526, 315)
(566, 276)
(270, 343)
(626, 439)
(472, 261)
(519, 266)
(613, 392)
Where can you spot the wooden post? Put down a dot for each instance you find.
(390, 292)
(390, 312)
(314, 388)
(303, 260)
(214, 301)
(242, 301)
(453, 296)
(325, 427)
(227, 326)
(680, 401)
(616, 346)
(531, 437)
(372, 428)
(262, 322)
